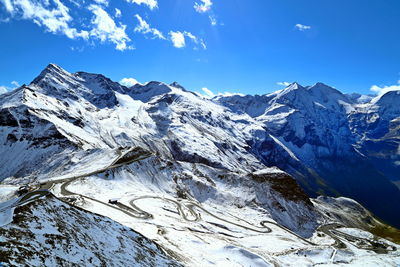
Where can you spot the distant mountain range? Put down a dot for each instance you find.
(237, 153)
(337, 144)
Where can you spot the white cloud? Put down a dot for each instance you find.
(105, 29)
(3, 89)
(191, 36)
(102, 2)
(15, 83)
(145, 28)
(178, 39)
(79, 49)
(197, 41)
(208, 92)
(129, 82)
(213, 20)
(55, 20)
(150, 3)
(118, 13)
(6, 20)
(203, 44)
(283, 83)
(203, 7)
(9, 6)
(77, 3)
(230, 94)
(55, 17)
(381, 90)
(302, 27)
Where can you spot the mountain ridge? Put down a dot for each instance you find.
(207, 156)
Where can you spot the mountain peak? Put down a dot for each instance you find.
(320, 84)
(325, 91)
(54, 68)
(177, 85)
(95, 88)
(145, 92)
(387, 99)
(294, 85)
(51, 70)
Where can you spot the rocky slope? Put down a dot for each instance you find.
(197, 176)
(49, 232)
(343, 147)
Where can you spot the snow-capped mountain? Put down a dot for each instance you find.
(197, 176)
(343, 147)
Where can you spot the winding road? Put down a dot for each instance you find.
(194, 209)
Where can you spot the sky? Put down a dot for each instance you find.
(209, 46)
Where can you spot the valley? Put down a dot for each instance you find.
(231, 180)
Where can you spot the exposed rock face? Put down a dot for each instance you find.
(50, 232)
(323, 138)
(284, 184)
(339, 144)
(216, 159)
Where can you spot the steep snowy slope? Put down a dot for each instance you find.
(26, 139)
(49, 232)
(377, 124)
(343, 147)
(191, 174)
(91, 114)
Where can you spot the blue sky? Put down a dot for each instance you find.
(245, 46)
